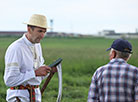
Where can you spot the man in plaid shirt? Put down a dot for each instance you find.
(116, 81)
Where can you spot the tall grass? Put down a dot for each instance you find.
(81, 57)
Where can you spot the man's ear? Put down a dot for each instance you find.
(29, 29)
(114, 54)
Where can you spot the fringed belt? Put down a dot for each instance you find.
(30, 88)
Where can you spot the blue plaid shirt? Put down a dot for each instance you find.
(116, 81)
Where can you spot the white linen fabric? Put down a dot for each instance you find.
(22, 58)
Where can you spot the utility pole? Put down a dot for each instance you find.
(51, 24)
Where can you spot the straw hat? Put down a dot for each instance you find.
(38, 20)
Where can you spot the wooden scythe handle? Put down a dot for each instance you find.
(46, 82)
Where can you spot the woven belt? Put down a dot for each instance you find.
(30, 88)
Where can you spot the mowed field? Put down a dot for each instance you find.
(81, 57)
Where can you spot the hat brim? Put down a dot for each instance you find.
(36, 25)
(108, 49)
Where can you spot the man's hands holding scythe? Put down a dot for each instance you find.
(52, 71)
(44, 70)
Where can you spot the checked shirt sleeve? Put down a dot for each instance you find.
(93, 90)
(136, 87)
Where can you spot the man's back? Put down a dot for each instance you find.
(114, 82)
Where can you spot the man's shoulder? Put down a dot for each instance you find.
(16, 45)
(132, 67)
(101, 68)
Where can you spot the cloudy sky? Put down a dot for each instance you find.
(77, 16)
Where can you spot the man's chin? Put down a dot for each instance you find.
(37, 41)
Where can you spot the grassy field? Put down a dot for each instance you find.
(81, 57)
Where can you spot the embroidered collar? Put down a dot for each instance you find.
(27, 41)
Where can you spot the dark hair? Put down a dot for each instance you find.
(32, 27)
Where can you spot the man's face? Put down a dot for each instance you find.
(36, 34)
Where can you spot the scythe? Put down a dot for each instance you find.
(57, 64)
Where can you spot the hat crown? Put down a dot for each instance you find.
(38, 20)
(122, 45)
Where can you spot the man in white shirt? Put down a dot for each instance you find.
(24, 63)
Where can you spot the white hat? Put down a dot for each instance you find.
(38, 20)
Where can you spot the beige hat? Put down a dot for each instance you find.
(38, 20)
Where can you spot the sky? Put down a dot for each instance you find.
(73, 16)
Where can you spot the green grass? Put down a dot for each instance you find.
(81, 57)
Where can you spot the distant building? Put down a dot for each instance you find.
(122, 35)
(48, 34)
(11, 33)
(113, 35)
(105, 32)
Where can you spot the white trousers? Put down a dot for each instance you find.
(23, 95)
(22, 99)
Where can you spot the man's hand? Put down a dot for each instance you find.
(53, 70)
(42, 71)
